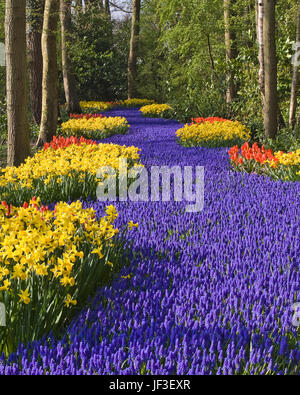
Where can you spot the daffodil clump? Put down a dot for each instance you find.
(288, 165)
(51, 261)
(94, 127)
(156, 110)
(63, 172)
(95, 106)
(135, 102)
(289, 159)
(213, 134)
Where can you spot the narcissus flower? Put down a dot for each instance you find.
(155, 110)
(94, 127)
(95, 105)
(132, 225)
(69, 301)
(6, 285)
(212, 133)
(24, 296)
(136, 102)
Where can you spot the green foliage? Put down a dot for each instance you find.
(182, 58)
(2, 13)
(99, 50)
(286, 140)
(177, 68)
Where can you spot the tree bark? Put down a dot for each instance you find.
(259, 33)
(68, 77)
(134, 44)
(231, 50)
(295, 79)
(261, 73)
(107, 7)
(18, 144)
(50, 73)
(270, 110)
(35, 26)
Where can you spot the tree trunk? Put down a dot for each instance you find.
(134, 44)
(18, 144)
(271, 98)
(107, 7)
(35, 26)
(68, 77)
(231, 50)
(295, 79)
(50, 73)
(259, 33)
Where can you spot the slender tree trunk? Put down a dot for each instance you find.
(107, 7)
(261, 73)
(134, 44)
(259, 33)
(270, 61)
(211, 59)
(50, 73)
(231, 50)
(18, 144)
(35, 26)
(68, 77)
(295, 79)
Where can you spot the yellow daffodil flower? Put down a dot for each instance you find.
(24, 296)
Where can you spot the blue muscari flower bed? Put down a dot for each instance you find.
(209, 293)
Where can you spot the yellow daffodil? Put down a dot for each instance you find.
(95, 105)
(289, 159)
(94, 127)
(69, 301)
(24, 296)
(67, 281)
(6, 285)
(136, 102)
(32, 246)
(132, 225)
(209, 132)
(155, 109)
(98, 251)
(75, 160)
